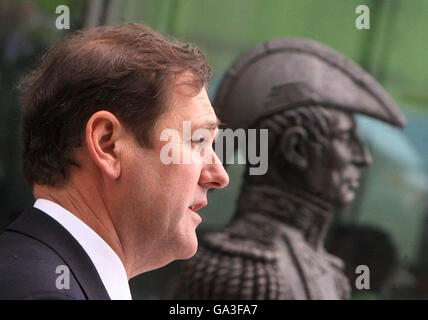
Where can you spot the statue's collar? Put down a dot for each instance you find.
(309, 214)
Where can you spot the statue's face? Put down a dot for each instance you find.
(335, 173)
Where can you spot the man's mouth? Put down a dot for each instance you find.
(195, 207)
(198, 205)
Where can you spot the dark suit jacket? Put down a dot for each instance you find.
(32, 248)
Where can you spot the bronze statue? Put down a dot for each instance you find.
(305, 94)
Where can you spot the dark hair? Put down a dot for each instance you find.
(125, 69)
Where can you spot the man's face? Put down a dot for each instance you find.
(335, 174)
(159, 196)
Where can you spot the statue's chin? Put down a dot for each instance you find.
(345, 200)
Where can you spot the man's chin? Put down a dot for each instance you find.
(189, 249)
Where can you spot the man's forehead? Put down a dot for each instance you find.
(201, 112)
(196, 108)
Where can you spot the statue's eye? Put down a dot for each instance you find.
(345, 136)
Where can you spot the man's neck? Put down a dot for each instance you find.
(89, 208)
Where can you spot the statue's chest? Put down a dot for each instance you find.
(307, 273)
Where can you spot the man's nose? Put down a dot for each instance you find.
(214, 175)
(362, 156)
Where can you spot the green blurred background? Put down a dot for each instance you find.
(388, 222)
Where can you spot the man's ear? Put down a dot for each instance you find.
(294, 146)
(103, 130)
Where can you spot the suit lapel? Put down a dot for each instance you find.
(40, 226)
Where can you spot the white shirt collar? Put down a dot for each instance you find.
(108, 264)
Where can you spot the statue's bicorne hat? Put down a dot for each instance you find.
(285, 73)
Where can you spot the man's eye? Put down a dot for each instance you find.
(199, 140)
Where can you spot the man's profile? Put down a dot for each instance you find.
(107, 208)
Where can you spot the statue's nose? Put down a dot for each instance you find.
(362, 156)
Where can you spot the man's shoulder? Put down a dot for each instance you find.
(29, 269)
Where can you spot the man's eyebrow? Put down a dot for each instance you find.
(210, 124)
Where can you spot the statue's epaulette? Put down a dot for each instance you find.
(250, 238)
(246, 248)
(239, 262)
(225, 271)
